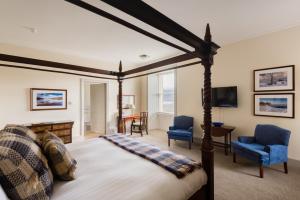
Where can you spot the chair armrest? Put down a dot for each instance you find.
(278, 153)
(190, 129)
(133, 121)
(246, 139)
(171, 127)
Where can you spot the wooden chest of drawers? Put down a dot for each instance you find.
(63, 129)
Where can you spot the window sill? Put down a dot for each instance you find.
(165, 113)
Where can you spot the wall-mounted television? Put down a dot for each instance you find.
(224, 97)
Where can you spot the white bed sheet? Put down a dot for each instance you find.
(107, 172)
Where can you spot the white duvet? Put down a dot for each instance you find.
(107, 172)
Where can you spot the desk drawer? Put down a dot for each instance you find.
(62, 132)
(40, 129)
(62, 126)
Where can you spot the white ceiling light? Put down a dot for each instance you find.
(31, 29)
(144, 56)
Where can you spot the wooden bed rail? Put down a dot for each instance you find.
(207, 147)
(169, 61)
(118, 20)
(46, 63)
(55, 71)
(154, 18)
(120, 100)
(163, 70)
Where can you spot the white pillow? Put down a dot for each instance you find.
(2, 194)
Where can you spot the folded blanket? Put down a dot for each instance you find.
(176, 164)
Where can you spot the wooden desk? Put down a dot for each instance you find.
(223, 131)
(128, 118)
(63, 129)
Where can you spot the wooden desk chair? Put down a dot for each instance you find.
(137, 126)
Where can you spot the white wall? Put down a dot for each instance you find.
(87, 102)
(234, 65)
(189, 84)
(98, 107)
(15, 85)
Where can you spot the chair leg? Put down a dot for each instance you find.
(168, 141)
(190, 144)
(131, 130)
(234, 157)
(285, 167)
(261, 171)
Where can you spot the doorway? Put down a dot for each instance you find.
(94, 109)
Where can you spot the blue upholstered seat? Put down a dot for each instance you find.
(182, 129)
(268, 146)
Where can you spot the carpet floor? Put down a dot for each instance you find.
(238, 181)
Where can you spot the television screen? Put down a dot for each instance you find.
(224, 97)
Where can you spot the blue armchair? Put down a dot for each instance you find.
(182, 129)
(268, 146)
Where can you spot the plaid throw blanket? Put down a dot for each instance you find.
(176, 164)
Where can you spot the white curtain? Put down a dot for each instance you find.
(153, 100)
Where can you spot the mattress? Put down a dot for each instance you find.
(107, 172)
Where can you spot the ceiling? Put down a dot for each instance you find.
(59, 27)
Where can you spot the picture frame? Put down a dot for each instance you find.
(128, 101)
(274, 79)
(274, 105)
(48, 99)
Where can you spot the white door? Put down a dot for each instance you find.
(98, 108)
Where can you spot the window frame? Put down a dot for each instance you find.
(160, 92)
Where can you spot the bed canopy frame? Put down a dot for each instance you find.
(203, 49)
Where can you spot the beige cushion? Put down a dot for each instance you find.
(60, 160)
(24, 171)
(22, 130)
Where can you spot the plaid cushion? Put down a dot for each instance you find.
(174, 163)
(24, 172)
(22, 130)
(60, 159)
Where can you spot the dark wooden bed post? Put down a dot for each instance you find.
(207, 147)
(120, 81)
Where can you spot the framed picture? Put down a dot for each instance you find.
(274, 105)
(128, 101)
(48, 99)
(274, 79)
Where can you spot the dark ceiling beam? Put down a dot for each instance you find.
(54, 71)
(107, 15)
(154, 18)
(163, 70)
(45, 63)
(169, 61)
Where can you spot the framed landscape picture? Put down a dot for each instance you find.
(274, 105)
(275, 79)
(48, 99)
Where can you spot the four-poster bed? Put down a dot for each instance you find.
(203, 49)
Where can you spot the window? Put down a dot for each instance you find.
(167, 92)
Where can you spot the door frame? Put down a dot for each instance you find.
(82, 90)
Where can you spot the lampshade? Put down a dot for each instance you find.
(131, 106)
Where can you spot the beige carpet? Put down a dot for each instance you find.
(91, 134)
(239, 181)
